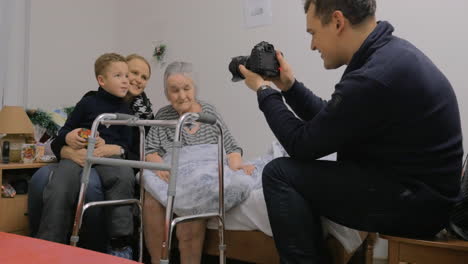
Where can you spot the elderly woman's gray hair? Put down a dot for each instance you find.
(179, 67)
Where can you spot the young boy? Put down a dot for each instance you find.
(61, 193)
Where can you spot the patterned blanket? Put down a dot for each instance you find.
(197, 180)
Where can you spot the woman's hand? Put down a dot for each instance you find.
(76, 155)
(74, 140)
(248, 168)
(107, 150)
(80, 157)
(99, 142)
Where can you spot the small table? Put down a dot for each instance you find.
(13, 211)
(16, 249)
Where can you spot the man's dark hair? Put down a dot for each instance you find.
(354, 10)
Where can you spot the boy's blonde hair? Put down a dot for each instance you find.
(136, 56)
(105, 60)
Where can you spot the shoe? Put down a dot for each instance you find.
(125, 252)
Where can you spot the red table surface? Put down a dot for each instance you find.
(15, 249)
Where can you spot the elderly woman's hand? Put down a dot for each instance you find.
(248, 168)
(164, 175)
(235, 163)
(154, 157)
(76, 155)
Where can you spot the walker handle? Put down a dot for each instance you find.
(120, 116)
(206, 118)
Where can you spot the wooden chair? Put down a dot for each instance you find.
(436, 251)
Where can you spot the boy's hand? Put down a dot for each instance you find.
(74, 140)
(107, 150)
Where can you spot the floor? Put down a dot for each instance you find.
(215, 260)
(206, 260)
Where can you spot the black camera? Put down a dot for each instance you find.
(262, 60)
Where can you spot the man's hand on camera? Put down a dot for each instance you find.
(284, 82)
(286, 78)
(252, 80)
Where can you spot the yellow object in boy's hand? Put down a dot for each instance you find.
(84, 133)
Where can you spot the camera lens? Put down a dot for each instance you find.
(234, 67)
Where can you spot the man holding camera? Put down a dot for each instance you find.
(393, 119)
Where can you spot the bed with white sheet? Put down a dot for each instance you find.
(248, 232)
(249, 238)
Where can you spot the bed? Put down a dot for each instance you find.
(257, 247)
(248, 237)
(248, 233)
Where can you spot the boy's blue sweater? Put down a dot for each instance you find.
(84, 113)
(393, 110)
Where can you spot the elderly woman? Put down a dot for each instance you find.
(180, 91)
(139, 74)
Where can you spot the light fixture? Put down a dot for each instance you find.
(17, 127)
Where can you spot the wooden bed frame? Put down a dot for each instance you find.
(256, 247)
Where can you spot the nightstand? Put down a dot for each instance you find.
(13, 211)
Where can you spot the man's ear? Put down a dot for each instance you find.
(100, 80)
(338, 20)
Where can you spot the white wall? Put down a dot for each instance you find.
(438, 28)
(65, 43)
(208, 33)
(14, 32)
(66, 37)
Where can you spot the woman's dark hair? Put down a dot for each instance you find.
(355, 11)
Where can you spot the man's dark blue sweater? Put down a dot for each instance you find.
(84, 113)
(393, 110)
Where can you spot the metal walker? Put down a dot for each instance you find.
(170, 223)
